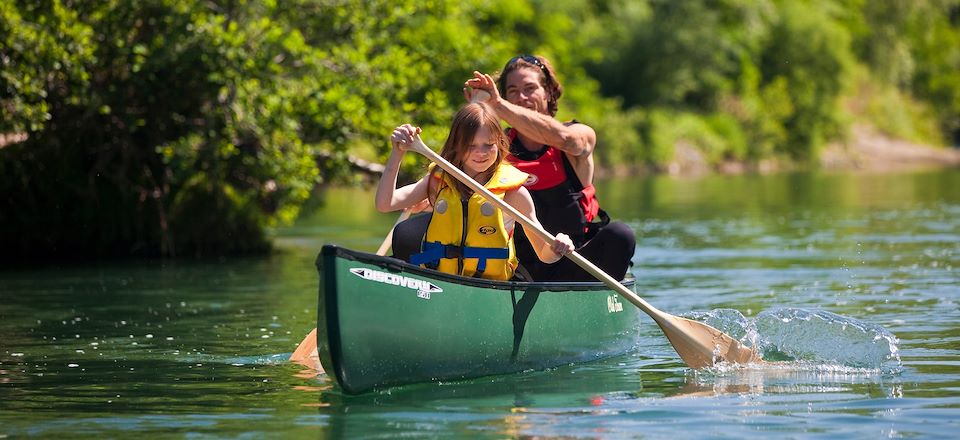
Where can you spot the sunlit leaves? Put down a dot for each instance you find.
(139, 109)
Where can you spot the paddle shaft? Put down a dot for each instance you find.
(529, 226)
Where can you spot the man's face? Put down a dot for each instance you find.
(524, 90)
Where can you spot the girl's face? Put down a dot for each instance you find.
(481, 153)
(524, 89)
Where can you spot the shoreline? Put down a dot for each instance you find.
(866, 150)
(872, 151)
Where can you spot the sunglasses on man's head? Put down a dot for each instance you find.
(532, 60)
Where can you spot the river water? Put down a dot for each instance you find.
(850, 281)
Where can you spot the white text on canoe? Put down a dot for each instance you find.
(423, 288)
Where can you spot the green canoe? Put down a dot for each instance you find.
(384, 322)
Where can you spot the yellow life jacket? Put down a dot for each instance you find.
(468, 237)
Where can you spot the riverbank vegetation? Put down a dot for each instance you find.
(179, 127)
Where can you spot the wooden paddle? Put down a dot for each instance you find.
(698, 344)
(306, 353)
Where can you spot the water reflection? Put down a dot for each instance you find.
(789, 378)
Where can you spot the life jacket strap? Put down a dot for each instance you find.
(434, 251)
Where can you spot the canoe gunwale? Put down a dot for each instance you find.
(397, 265)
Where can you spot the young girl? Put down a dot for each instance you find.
(467, 235)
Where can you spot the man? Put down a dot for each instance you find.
(559, 158)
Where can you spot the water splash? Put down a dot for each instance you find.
(822, 336)
(811, 339)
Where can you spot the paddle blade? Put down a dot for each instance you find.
(700, 345)
(306, 353)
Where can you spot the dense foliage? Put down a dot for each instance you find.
(165, 127)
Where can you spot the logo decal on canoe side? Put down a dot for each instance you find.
(423, 288)
(614, 304)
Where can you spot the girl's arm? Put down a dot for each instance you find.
(389, 197)
(547, 252)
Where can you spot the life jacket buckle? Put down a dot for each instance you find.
(453, 251)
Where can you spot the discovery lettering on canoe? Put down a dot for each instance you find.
(423, 288)
(614, 304)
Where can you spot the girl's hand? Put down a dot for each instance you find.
(402, 136)
(484, 82)
(562, 245)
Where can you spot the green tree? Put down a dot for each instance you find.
(160, 127)
(188, 127)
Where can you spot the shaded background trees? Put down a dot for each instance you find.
(168, 127)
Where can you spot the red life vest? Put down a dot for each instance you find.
(563, 203)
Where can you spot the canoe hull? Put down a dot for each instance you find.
(382, 322)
